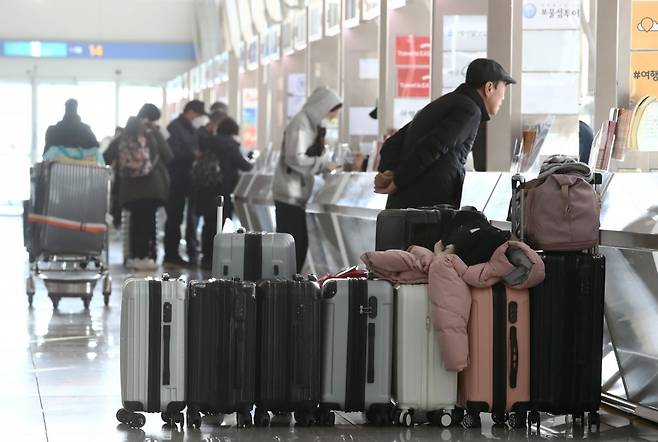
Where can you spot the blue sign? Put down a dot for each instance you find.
(98, 50)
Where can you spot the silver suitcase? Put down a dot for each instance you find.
(357, 321)
(254, 256)
(71, 192)
(153, 349)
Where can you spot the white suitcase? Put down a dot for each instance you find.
(153, 349)
(423, 385)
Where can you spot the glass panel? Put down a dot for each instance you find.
(464, 40)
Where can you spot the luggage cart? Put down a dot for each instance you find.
(67, 231)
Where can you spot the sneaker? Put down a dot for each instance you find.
(144, 264)
(175, 260)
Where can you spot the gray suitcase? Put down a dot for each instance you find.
(72, 192)
(357, 321)
(254, 256)
(153, 349)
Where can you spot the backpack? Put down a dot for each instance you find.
(207, 173)
(135, 158)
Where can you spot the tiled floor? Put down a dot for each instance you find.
(59, 379)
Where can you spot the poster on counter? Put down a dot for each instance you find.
(404, 109)
(644, 25)
(644, 74)
(551, 14)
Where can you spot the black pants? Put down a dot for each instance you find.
(142, 227)
(178, 197)
(292, 219)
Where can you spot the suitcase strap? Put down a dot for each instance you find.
(155, 342)
(499, 365)
(253, 256)
(357, 343)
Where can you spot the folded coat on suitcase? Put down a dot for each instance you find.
(153, 348)
(288, 349)
(497, 379)
(357, 321)
(221, 349)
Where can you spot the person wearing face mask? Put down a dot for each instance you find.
(300, 160)
(184, 142)
(220, 148)
(424, 162)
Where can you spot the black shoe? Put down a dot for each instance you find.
(175, 261)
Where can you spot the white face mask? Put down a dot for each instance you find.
(200, 121)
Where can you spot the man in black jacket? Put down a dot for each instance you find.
(70, 131)
(427, 167)
(184, 142)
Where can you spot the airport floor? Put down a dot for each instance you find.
(59, 379)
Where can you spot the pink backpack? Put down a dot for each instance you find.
(561, 213)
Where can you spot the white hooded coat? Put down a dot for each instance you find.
(294, 175)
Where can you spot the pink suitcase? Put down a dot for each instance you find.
(497, 379)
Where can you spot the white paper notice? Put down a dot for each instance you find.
(361, 123)
(368, 69)
(550, 93)
(297, 84)
(404, 109)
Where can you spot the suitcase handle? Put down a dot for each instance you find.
(514, 357)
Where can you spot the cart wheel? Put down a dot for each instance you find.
(499, 418)
(594, 420)
(406, 418)
(55, 300)
(517, 420)
(86, 302)
(261, 418)
(193, 419)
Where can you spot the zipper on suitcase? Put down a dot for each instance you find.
(499, 402)
(155, 343)
(253, 257)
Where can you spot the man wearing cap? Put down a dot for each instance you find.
(184, 142)
(428, 167)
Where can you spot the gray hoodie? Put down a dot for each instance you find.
(294, 175)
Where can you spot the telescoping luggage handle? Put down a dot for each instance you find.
(220, 213)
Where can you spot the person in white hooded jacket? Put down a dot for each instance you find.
(301, 159)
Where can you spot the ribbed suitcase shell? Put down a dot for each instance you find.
(400, 228)
(289, 346)
(357, 359)
(254, 256)
(144, 370)
(486, 384)
(75, 192)
(567, 334)
(221, 346)
(422, 383)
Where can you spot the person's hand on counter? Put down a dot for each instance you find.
(384, 182)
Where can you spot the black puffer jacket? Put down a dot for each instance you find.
(183, 140)
(436, 144)
(70, 132)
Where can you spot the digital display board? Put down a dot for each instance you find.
(97, 50)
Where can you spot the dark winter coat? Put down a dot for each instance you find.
(70, 132)
(184, 141)
(431, 167)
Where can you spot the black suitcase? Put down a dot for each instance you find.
(221, 350)
(401, 228)
(566, 332)
(288, 376)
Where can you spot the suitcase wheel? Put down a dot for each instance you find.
(193, 419)
(244, 419)
(304, 418)
(442, 418)
(517, 420)
(261, 418)
(499, 418)
(134, 420)
(172, 419)
(471, 421)
(406, 418)
(594, 420)
(325, 418)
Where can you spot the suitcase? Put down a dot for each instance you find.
(254, 256)
(357, 322)
(152, 352)
(288, 349)
(401, 228)
(421, 382)
(566, 313)
(221, 362)
(497, 379)
(66, 193)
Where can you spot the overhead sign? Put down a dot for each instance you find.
(412, 50)
(551, 14)
(97, 50)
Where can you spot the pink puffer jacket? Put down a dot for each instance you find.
(450, 295)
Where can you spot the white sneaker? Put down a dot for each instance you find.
(144, 264)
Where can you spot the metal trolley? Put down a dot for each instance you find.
(66, 231)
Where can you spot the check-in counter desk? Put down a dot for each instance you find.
(342, 215)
